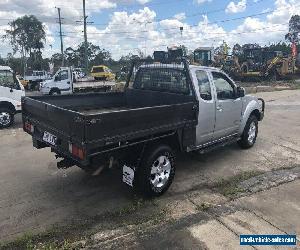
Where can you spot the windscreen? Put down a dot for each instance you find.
(7, 79)
(98, 70)
(162, 79)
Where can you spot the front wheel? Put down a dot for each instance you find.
(249, 135)
(6, 118)
(54, 92)
(157, 171)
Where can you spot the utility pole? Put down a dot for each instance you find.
(61, 39)
(85, 39)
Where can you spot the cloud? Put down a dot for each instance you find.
(202, 1)
(143, 1)
(139, 30)
(236, 7)
(180, 16)
(272, 29)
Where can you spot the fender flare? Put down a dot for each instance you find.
(252, 107)
(9, 105)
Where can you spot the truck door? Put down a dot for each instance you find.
(63, 81)
(10, 88)
(228, 107)
(207, 108)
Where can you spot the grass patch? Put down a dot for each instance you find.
(49, 240)
(203, 206)
(229, 187)
(62, 237)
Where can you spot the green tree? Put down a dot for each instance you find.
(96, 55)
(26, 35)
(56, 60)
(15, 63)
(285, 48)
(294, 30)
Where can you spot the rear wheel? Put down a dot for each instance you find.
(249, 135)
(273, 77)
(6, 118)
(157, 171)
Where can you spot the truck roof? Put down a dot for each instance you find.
(179, 66)
(5, 68)
(100, 66)
(204, 48)
(206, 68)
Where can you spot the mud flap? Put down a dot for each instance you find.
(128, 175)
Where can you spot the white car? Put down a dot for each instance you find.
(11, 91)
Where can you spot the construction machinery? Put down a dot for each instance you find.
(261, 62)
(204, 56)
(208, 56)
(173, 53)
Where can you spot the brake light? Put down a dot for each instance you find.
(29, 127)
(77, 151)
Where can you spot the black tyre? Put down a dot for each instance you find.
(273, 77)
(54, 92)
(6, 118)
(157, 171)
(245, 69)
(249, 135)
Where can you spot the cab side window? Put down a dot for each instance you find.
(224, 87)
(7, 79)
(204, 85)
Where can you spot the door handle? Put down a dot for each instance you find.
(68, 82)
(11, 90)
(219, 108)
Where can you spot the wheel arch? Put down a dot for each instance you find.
(54, 89)
(251, 109)
(8, 105)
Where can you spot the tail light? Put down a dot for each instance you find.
(77, 151)
(29, 127)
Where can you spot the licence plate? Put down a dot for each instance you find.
(51, 139)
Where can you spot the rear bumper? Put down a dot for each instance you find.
(61, 149)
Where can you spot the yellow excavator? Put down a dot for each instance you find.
(263, 63)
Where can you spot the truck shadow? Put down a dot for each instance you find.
(72, 196)
(90, 195)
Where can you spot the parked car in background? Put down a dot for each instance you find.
(102, 72)
(24, 82)
(34, 77)
(11, 91)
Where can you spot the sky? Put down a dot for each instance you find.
(127, 26)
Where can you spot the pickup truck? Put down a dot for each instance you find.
(11, 91)
(34, 77)
(67, 81)
(165, 108)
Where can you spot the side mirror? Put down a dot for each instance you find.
(56, 78)
(240, 92)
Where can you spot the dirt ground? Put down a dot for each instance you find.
(35, 195)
